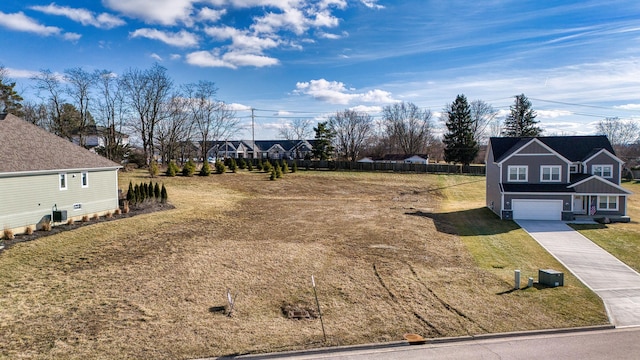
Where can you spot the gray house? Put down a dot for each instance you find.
(41, 173)
(555, 178)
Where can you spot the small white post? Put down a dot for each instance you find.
(517, 279)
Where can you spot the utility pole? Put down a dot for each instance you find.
(253, 134)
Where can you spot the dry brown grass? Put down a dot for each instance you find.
(144, 287)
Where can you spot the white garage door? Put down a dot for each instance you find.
(537, 209)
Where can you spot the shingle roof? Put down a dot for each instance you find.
(573, 148)
(25, 147)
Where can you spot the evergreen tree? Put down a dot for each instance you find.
(220, 168)
(189, 168)
(521, 119)
(294, 168)
(10, 100)
(273, 174)
(250, 165)
(460, 145)
(150, 192)
(156, 192)
(153, 169)
(278, 170)
(171, 169)
(233, 166)
(163, 194)
(137, 197)
(131, 195)
(205, 170)
(323, 148)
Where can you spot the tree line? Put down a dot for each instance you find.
(167, 119)
(164, 116)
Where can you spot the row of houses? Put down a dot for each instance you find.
(260, 149)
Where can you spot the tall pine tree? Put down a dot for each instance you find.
(521, 121)
(323, 147)
(460, 144)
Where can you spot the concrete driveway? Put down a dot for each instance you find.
(616, 283)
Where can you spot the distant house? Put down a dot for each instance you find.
(95, 137)
(554, 178)
(260, 149)
(41, 173)
(398, 159)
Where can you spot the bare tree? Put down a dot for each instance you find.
(79, 84)
(202, 107)
(482, 115)
(50, 90)
(111, 112)
(297, 129)
(618, 131)
(37, 114)
(495, 128)
(408, 128)
(173, 129)
(147, 92)
(351, 130)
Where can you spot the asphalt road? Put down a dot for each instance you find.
(617, 344)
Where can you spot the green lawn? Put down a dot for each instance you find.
(622, 240)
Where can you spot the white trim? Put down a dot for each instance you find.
(607, 182)
(55, 171)
(541, 144)
(63, 178)
(607, 208)
(602, 172)
(517, 180)
(84, 176)
(601, 151)
(551, 167)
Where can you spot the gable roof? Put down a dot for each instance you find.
(573, 148)
(29, 148)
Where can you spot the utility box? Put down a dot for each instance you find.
(550, 278)
(59, 215)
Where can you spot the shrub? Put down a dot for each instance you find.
(131, 195)
(259, 165)
(138, 194)
(294, 168)
(172, 169)
(70, 221)
(205, 170)
(220, 168)
(85, 218)
(94, 217)
(250, 165)
(273, 176)
(108, 215)
(28, 230)
(189, 168)
(125, 207)
(163, 194)
(233, 166)
(242, 164)
(153, 169)
(285, 167)
(156, 192)
(150, 190)
(8, 234)
(278, 171)
(267, 166)
(46, 226)
(117, 212)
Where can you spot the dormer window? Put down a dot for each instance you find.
(574, 169)
(606, 171)
(550, 173)
(518, 173)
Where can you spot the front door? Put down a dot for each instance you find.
(579, 204)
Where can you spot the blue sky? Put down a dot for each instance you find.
(577, 61)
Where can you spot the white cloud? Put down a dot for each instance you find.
(367, 109)
(21, 73)
(212, 15)
(83, 16)
(552, 114)
(156, 57)
(335, 92)
(628, 107)
(181, 39)
(230, 59)
(238, 107)
(175, 57)
(20, 22)
(165, 12)
(71, 36)
(372, 4)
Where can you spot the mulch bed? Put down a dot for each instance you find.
(134, 210)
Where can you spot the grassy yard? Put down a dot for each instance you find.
(620, 239)
(391, 254)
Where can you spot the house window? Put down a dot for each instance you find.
(62, 180)
(606, 171)
(550, 173)
(517, 173)
(573, 169)
(607, 203)
(85, 179)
